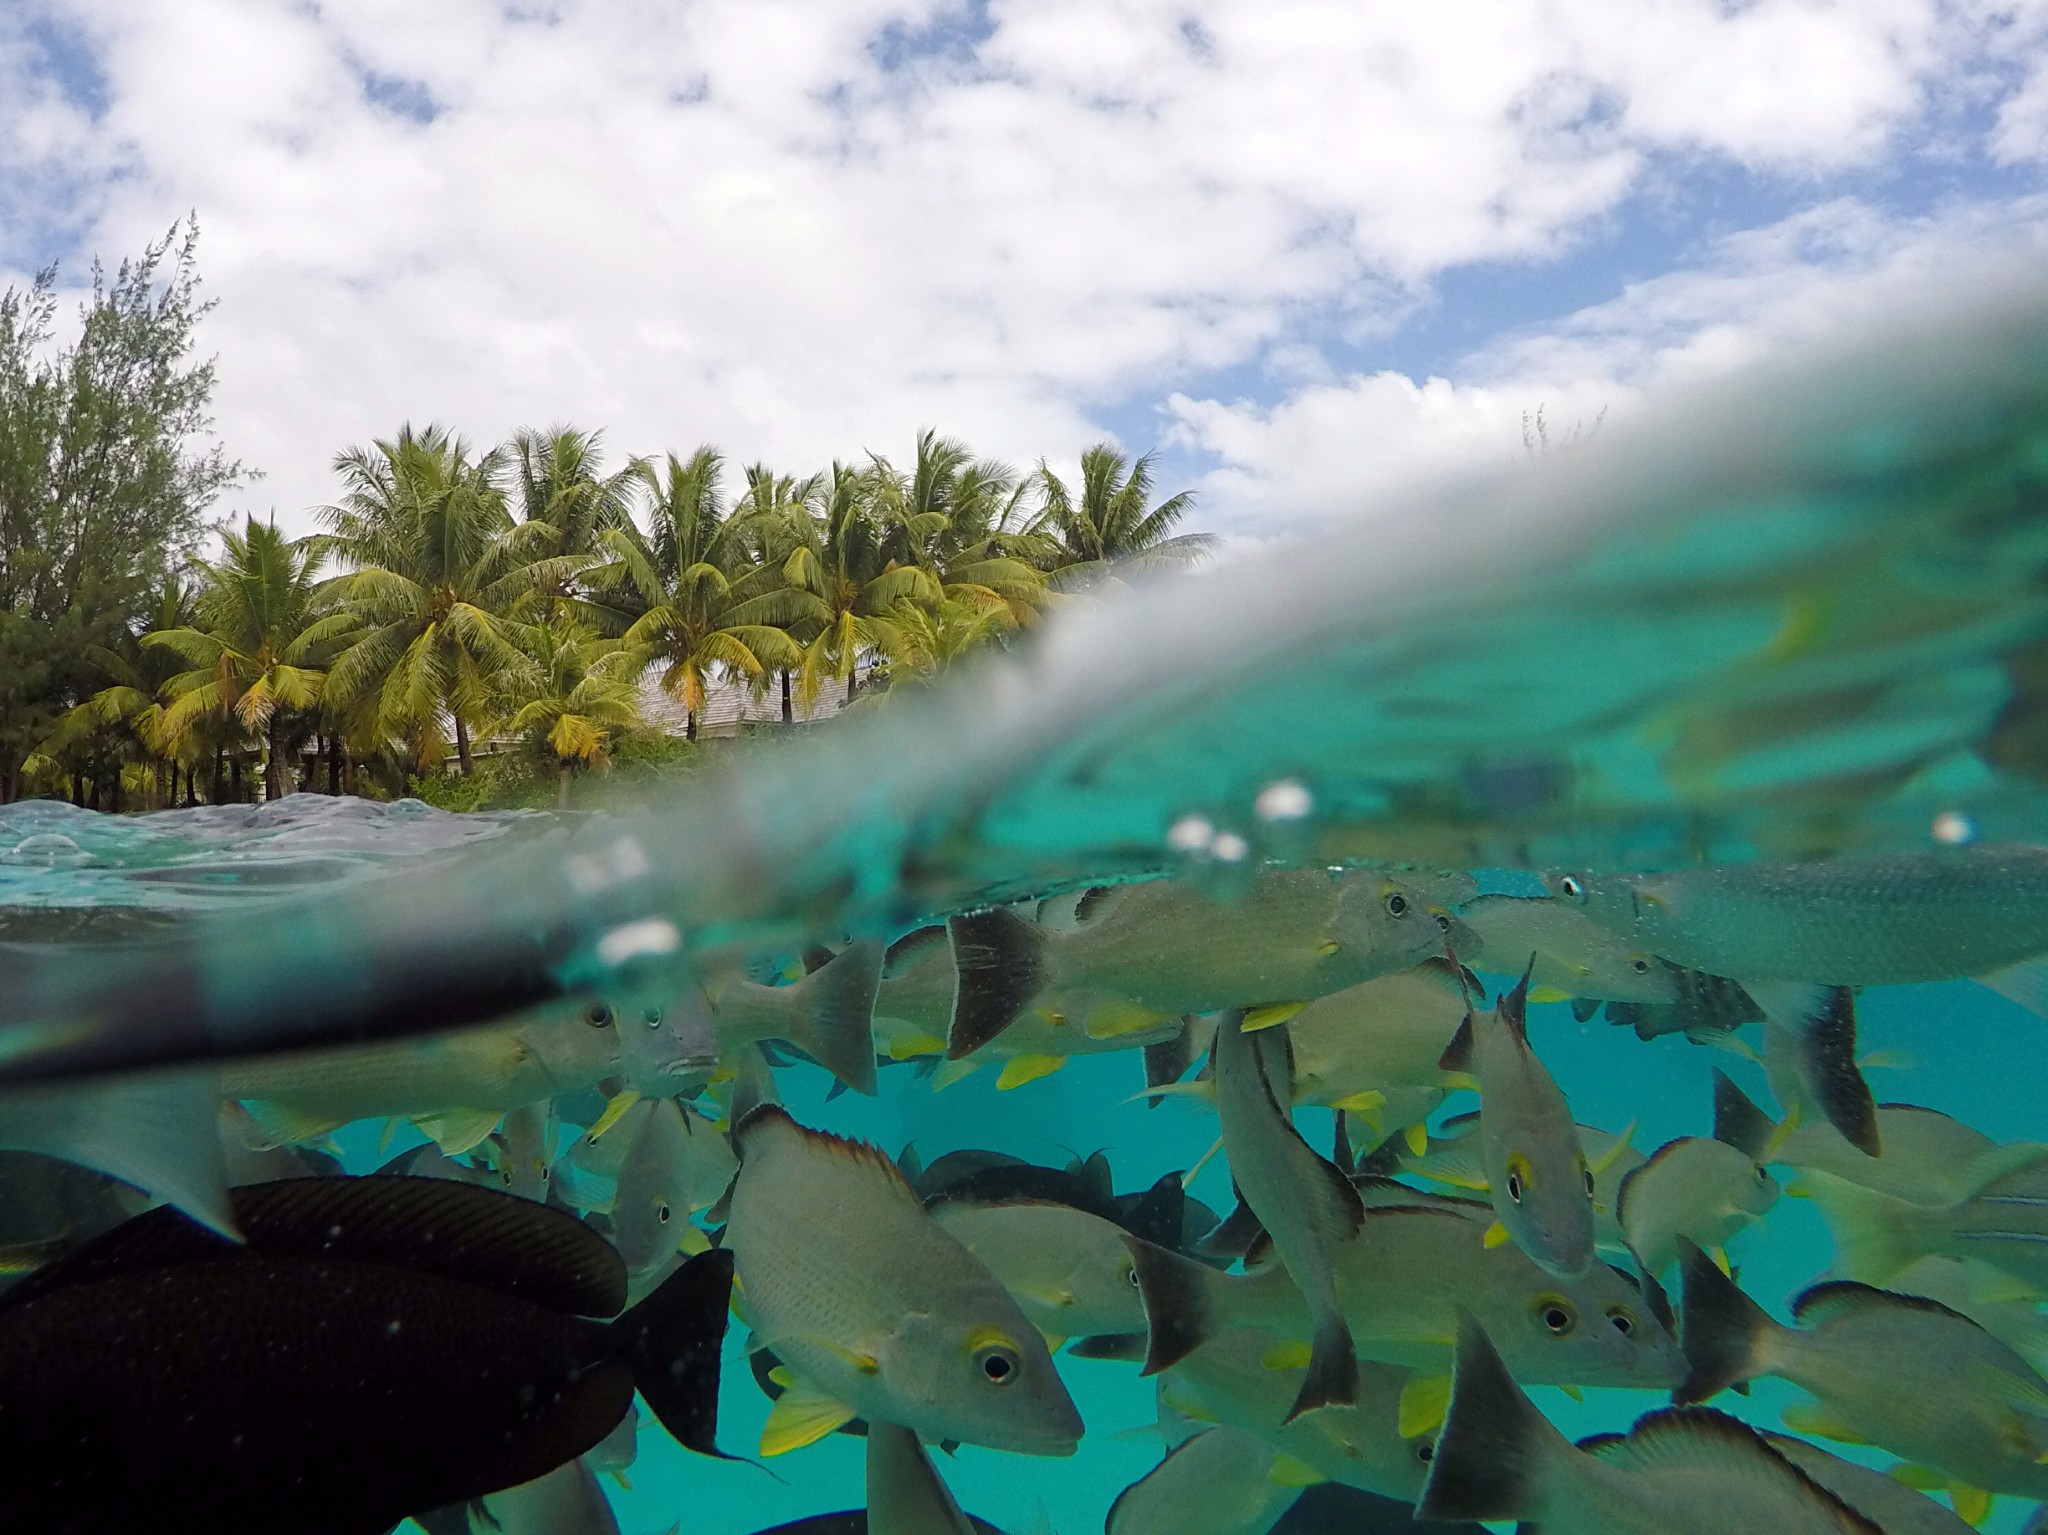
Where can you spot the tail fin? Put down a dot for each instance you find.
(1178, 1294)
(835, 1026)
(1872, 1231)
(905, 1491)
(1159, 1215)
(160, 1133)
(1332, 1378)
(672, 1341)
(1168, 1060)
(999, 966)
(1719, 1327)
(1822, 1022)
(1738, 1122)
(1489, 1456)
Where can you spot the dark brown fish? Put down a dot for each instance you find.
(379, 1347)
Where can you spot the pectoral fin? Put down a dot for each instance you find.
(1424, 1401)
(1266, 1017)
(1496, 1234)
(459, 1130)
(801, 1415)
(1020, 1069)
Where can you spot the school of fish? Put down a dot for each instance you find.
(594, 1215)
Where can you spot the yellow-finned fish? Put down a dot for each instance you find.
(1999, 1218)
(827, 1013)
(1576, 956)
(1677, 1472)
(676, 1164)
(1694, 1187)
(1898, 1371)
(1536, 1172)
(1452, 1157)
(1168, 948)
(1884, 1500)
(1374, 1050)
(1069, 1269)
(1401, 1280)
(874, 1307)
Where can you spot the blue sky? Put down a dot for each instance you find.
(1310, 250)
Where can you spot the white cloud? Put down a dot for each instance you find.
(727, 220)
(1344, 446)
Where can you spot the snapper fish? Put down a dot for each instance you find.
(1999, 1218)
(1574, 955)
(1401, 1280)
(1685, 1471)
(827, 1013)
(1537, 1174)
(1884, 1500)
(878, 1312)
(1165, 949)
(1068, 1269)
(1694, 1187)
(159, 1376)
(1898, 1371)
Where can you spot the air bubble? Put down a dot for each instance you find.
(1954, 828)
(1229, 847)
(651, 935)
(1285, 799)
(1190, 834)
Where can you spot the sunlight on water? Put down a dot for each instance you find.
(1801, 623)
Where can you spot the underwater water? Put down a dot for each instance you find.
(1727, 738)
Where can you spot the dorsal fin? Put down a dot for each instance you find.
(773, 1119)
(461, 1231)
(1457, 1054)
(1513, 1007)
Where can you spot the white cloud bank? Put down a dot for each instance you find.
(795, 229)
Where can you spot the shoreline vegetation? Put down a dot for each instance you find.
(469, 627)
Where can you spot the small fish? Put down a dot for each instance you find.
(1702, 1189)
(1858, 920)
(1453, 1157)
(162, 1377)
(1373, 1050)
(1884, 1500)
(1536, 1171)
(1220, 1482)
(1167, 949)
(1401, 1281)
(1685, 1471)
(1230, 1381)
(1575, 956)
(676, 1165)
(1068, 1269)
(1898, 1371)
(828, 1013)
(1304, 1201)
(876, 1309)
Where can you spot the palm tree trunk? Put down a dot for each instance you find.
(788, 712)
(235, 778)
(562, 787)
(77, 791)
(333, 747)
(689, 724)
(462, 748)
(273, 766)
(115, 792)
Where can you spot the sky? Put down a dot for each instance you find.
(1310, 251)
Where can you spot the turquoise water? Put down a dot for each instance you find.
(1802, 619)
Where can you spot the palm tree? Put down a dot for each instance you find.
(123, 721)
(1112, 528)
(692, 582)
(951, 515)
(438, 568)
(564, 505)
(578, 691)
(932, 639)
(841, 586)
(255, 649)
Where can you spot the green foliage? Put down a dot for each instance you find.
(102, 489)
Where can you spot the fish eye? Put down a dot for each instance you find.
(1518, 1177)
(599, 1016)
(998, 1364)
(1624, 1321)
(1556, 1315)
(1515, 1187)
(1761, 1175)
(1397, 904)
(1443, 923)
(1132, 1275)
(1640, 965)
(661, 1213)
(652, 1017)
(1570, 888)
(1589, 1182)
(1425, 1452)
